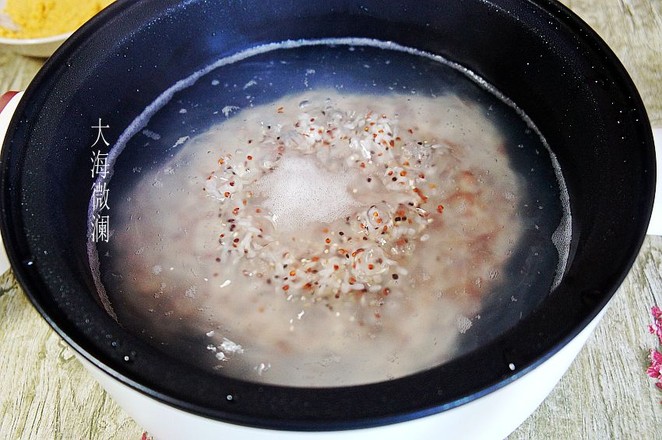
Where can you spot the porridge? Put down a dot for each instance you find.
(322, 239)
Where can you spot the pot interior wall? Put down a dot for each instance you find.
(535, 53)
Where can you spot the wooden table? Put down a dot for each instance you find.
(46, 394)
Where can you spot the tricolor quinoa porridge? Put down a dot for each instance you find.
(323, 239)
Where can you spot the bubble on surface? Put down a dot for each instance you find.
(299, 192)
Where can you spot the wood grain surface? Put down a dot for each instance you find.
(46, 394)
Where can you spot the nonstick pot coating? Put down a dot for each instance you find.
(535, 52)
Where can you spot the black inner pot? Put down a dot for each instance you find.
(536, 53)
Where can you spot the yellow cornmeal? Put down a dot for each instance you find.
(44, 18)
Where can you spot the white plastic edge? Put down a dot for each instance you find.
(655, 225)
(5, 118)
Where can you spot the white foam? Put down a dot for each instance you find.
(298, 192)
(562, 236)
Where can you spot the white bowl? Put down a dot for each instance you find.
(34, 47)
